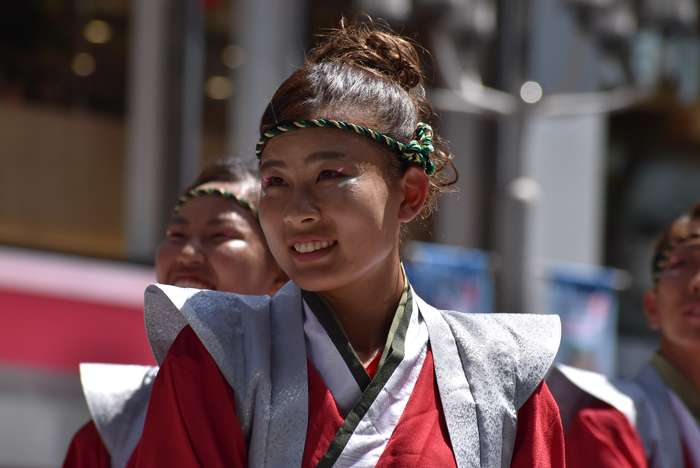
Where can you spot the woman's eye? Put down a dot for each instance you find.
(676, 262)
(224, 236)
(174, 235)
(272, 181)
(329, 174)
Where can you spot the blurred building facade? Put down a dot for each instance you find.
(574, 124)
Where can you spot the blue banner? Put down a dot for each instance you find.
(585, 299)
(451, 278)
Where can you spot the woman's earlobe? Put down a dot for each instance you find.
(415, 191)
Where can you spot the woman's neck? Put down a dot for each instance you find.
(686, 361)
(366, 309)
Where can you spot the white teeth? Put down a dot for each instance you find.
(311, 246)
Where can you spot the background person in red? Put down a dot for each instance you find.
(653, 420)
(213, 241)
(346, 365)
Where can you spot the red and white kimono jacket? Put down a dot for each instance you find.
(249, 381)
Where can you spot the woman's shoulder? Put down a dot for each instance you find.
(117, 396)
(521, 345)
(213, 315)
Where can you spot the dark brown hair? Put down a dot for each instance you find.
(226, 170)
(363, 73)
(671, 233)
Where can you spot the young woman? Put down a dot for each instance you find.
(214, 241)
(346, 366)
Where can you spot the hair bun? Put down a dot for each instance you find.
(373, 47)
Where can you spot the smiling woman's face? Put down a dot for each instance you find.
(329, 207)
(213, 243)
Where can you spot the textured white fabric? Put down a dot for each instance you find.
(690, 432)
(600, 387)
(117, 396)
(330, 365)
(372, 434)
(256, 343)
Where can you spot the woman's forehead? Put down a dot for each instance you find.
(308, 145)
(684, 236)
(210, 210)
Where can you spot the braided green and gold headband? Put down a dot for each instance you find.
(665, 254)
(185, 197)
(417, 152)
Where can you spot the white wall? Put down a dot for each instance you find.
(40, 413)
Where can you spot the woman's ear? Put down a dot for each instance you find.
(415, 185)
(651, 309)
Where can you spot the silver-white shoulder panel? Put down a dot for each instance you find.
(526, 344)
(504, 357)
(258, 344)
(162, 316)
(117, 396)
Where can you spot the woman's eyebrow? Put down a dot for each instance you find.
(312, 158)
(178, 220)
(691, 247)
(270, 163)
(233, 219)
(327, 155)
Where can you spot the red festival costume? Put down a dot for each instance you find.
(186, 437)
(398, 418)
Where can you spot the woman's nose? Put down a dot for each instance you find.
(302, 208)
(694, 283)
(191, 253)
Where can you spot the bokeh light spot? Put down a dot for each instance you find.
(83, 64)
(232, 56)
(97, 32)
(218, 87)
(531, 92)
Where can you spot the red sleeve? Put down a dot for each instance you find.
(191, 419)
(87, 450)
(539, 439)
(603, 437)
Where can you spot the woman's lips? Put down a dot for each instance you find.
(192, 282)
(311, 251)
(308, 247)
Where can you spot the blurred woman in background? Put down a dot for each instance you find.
(213, 241)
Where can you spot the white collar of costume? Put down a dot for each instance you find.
(258, 343)
(690, 432)
(370, 436)
(326, 359)
(117, 396)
